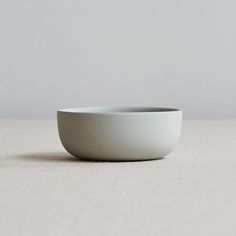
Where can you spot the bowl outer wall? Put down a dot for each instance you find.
(119, 136)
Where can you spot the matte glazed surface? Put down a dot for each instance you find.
(119, 133)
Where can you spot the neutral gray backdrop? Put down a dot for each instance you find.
(69, 53)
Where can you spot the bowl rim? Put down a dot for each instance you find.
(119, 110)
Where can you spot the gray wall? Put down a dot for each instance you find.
(70, 53)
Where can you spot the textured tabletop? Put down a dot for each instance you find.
(45, 191)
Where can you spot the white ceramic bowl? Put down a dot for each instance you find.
(119, 133)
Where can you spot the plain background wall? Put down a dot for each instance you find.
(56, 54)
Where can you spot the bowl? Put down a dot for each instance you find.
(119, 133)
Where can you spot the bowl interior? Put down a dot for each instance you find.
(119, 110)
